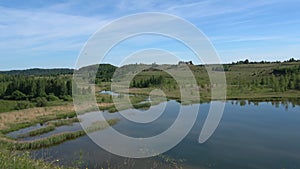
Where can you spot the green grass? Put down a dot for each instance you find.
(63, 122)
(16, 160)
(243, 82)
(38, 131)
(142, 106)
(54, 139)
(100, 125)
(45, 142)
(9, 105)
(17, 126)
(50, 127)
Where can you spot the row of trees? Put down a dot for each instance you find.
(246, 61)
(284, 82)
(147, 82)
(278, 83)
(29, 87)
(287, 70)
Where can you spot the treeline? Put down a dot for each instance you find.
(39, 72)
(147, 82)
(104, 72)
(37, 90)
(246, 61)
(276, 82)
(287, 70)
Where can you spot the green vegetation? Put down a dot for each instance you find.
(12, 159)
(38, 131)
(104, 72)
(9, 105)
(25, 89)
(100, 125)
(245, 79)
(44, 142)
(16, 87)
(39, 72)
(28, 89)
(63, 122)
(50, 127)
(61, 116)
(54, 139)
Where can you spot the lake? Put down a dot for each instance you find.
(249, 136)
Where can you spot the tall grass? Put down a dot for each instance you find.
(63, 122)
(14, 160)
(37, 131)
(43, 119)
(100, 125)
(44, 142)
(55, 139)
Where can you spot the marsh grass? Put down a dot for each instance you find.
(63, 122)
(100, 125)
(16, 160)
(44, 142)
(43, 119)
(11, 121)
(142, 106)
(38, 131)
(54, 139)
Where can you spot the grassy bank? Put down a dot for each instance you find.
(54, 139)
(15, 160)
(10, 126)
(10, 121)
(63, 122)
(38, 131)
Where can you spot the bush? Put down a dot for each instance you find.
(52, 97)
(23, 105)
(66, 98)
(17, 95)
(41, 101)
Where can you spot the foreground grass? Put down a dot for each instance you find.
(15, 160)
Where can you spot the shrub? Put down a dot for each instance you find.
(41, 101)
(23, 105)
(52, 97)
(17, 95)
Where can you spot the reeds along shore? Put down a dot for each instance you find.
(57, 138)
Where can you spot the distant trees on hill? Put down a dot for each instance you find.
(279, 81)
(147, 82)
(104, 72)
(39, 72)
(287, 70)
(246, 61)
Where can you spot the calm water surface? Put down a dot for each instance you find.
(249, 137)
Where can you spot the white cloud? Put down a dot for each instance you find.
(22, 29)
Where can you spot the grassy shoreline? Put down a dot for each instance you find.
(54, 139)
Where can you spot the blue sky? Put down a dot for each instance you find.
(51, 33)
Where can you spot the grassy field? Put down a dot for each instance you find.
(243, 81)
